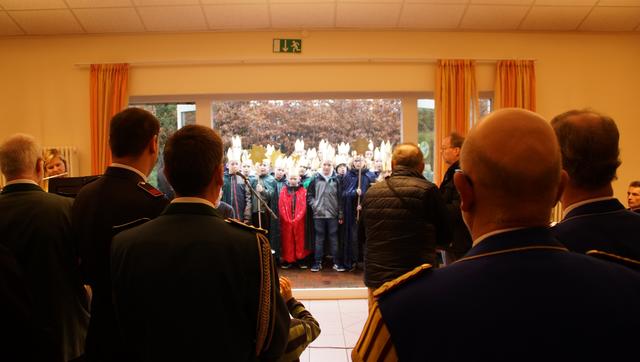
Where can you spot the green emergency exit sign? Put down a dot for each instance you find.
(287, 45)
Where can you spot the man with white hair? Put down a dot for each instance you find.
(36, 228)
(518, 294)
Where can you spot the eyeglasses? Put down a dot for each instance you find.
(465, 176)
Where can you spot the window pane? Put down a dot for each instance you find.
(281, 122)
(426, 116)
(172, 116)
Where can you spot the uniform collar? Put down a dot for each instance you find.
(21, 185)
(133, 169)
(193, 208)
(194, 200)
(514, 240)
(591, 206)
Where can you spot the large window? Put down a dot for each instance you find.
(172, 116)
(426, 121)
(281, 123)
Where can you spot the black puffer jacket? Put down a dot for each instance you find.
(403, 220)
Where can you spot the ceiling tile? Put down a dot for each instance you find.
(502, 2)
(289, 1)
(236, 2)
(370, 1)
(7, 26)
(353, 15)
(303, 15)
(75, 4)
(619, 3)
(173, 18)
(119, 20)
(41, 22)
(431, 16)
(447, 2)
(164, 2)
(32, 4)
(489, 17)
(244, 16)
(566, 2)
(555, 17)
(612, 19)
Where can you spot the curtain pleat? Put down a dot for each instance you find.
(456, 103)
(515, 84)
(108, 96)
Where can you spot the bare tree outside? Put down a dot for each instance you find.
(281, 122)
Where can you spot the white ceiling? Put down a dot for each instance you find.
(54, 17)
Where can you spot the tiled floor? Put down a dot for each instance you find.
(325, 278)
(341, 322)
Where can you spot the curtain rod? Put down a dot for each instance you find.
(273, 61)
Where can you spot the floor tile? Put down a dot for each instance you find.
(327, 355)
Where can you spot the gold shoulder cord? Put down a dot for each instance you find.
(266, 302)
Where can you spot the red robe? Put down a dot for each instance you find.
(292, 226)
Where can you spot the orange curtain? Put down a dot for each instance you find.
(108, 96)
(515, 84)
(456, 104)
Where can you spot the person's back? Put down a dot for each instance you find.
(593, 220)
(190, 285)
(35, 228)
(543, 303)
(119, 197)
(403, 220)
(190, 296)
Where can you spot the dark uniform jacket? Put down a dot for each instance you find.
(601, 225)
(461, 241)
(517, 295)
(114, 199)
(403, 221)
(23, 337)
(36, 228)
(187, 287)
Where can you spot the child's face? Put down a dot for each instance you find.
(342, 169)
(279, 172)
(294, 180)
(233, 166)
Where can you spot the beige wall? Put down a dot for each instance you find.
(45, 94)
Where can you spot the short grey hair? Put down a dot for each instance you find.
(19, 155)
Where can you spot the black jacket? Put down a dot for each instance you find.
(404, 220)
(115, 199)
(461, 242)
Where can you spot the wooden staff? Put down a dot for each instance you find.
(359, 184)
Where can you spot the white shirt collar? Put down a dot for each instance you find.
(21, 181)
(127, 167)
(584, 202)
(192, 200)
(495, 232)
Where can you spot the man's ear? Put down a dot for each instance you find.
(564, 180)
(218, 175)
(467, 196)
(153, 145)
(421, 167)
(40, 168)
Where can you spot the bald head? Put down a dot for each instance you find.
(408, 155)
(513, 161)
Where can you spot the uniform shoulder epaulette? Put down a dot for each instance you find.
(242, 225)
(150, 190)
(392, 284)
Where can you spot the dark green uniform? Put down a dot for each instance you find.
(190, 286)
